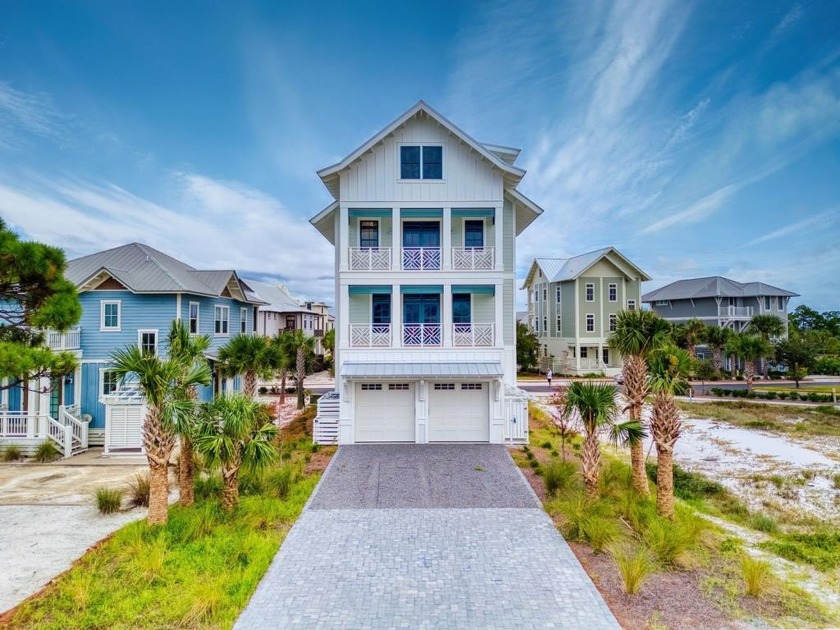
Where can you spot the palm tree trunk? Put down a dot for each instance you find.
(283, 387)
(717, 355)
(158, 493)
(590, 464)
(250, 385)
(301, 375)
(749, 374)
(635, 384)
(230, 487)
(665, 483)
(734, 370)
(186, 472)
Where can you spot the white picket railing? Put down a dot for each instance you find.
(735, 311)
(473, 258)
(472, 335)
(21, 424)
(70, 416)
(421, 335)
(420, 258)
(68, 431)
(370, 258)
(370, 335)
(68, 340)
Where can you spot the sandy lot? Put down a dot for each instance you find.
(48, 518)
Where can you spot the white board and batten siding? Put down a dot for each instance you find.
(467, 176)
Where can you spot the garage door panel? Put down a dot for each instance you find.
(459, 412)
(385, 412)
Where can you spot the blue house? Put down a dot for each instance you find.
(130, 295)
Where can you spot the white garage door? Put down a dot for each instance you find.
(385, 412)
(459, 412)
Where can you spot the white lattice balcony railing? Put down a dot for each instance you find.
(735, 311)
(473, 258)
(421, 335)
(420, 258)
(68, 340)
(472, 335)
(370, 258)
(370, 335)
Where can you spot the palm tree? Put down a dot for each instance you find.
(246, 355)
(235, 432)
(189, 350)
(669, 369)
(596, 407)
(695, 333)
(164, 383)
(749, 348)
(282, 359)
(717, 338)
(768, 327)
(637, 334)
(303, 347)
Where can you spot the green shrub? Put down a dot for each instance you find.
(819, 549)
(281, 479)
(634, 563)
(756, 574)
(599, 531)
(207, 486)
(11, 453)
(783, 395)
(251, 483)
(546, 445)
(771, 395)
(558, 476)
(764, 523)
(108, 500)
(615, 479)
(47, 452)
(262, 390)
(836, 481)
(138, 490)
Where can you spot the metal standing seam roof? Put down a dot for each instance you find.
(713, 286)
(422, 370)
(143, 269)
(277, 299)
(563, 269)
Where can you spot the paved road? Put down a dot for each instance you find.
(444, 536)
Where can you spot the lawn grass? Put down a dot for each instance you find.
(821, 420)
(821, 389)
(197, 571)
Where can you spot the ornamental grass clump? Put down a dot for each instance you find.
(756, 575)
(559, 476)
(139, 487)
(108, 500)
(11, 453)
(634, 563)
(47, 452)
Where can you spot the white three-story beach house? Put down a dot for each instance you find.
(424, 224)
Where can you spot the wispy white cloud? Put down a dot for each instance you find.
(207, 223)
(788, 21)
(697, 211)
(23, 114)
(823, 220)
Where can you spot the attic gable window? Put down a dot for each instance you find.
(421, 162)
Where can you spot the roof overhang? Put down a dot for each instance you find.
(455, 370)
(525, 210)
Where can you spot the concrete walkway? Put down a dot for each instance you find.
(447, 536)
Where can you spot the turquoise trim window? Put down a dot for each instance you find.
(421, 162)
(381, 309)
(461, 308)
(369, 234)
(474, 233)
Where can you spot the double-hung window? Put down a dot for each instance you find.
(631, 305)
(381, 309)
(613, 292)
(110, 315)
(613, 322)
(194, 310)
(590, 322)
(108, 381)
(243, 320)
(369, 234)
(558, 289)
(221, 320)
(473, 233)
(461, 308)
(590, 292)
(421, 162)
(147, 340)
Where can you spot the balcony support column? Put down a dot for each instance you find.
(499, 239)
(396, 315)
(396, 240)
(446, 240)
(446, 314)
(343, 238)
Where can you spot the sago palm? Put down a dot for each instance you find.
(637, 334)
(749, 348)
(669, 370)
(189, 350)
(234, 432)
(595, 406)
(769, 328)
(246, 355)
(717, 338)
(163, 383)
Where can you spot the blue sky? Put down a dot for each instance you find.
(699, 138)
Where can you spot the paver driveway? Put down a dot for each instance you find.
(425, 537)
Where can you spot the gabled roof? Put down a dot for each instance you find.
(491, 153)
(563, 269)
(713, 286)
(143, 269)
(276, 298)
(500, 157)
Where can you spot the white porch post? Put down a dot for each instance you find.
(343, 237)
(499, 238)
(499, 312)
(343, 333)
(396, 317)
(446, 240)
(447, 317)
(77, 387)
(577, 357)
(396, 240)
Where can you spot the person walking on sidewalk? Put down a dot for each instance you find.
(548, 376)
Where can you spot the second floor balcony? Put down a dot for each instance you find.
(422, 259)
(425, 335)
(61, 341)
(735, 312)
